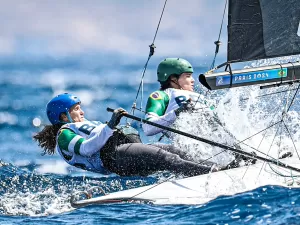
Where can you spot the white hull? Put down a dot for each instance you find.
(204, 188)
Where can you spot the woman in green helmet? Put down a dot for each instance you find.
(177, 86)
(176, 95)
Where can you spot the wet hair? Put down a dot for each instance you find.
(167, 84)
(47, 138)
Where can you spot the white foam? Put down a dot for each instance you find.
(56, 167)
(242, 114)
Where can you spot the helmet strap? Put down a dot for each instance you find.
(177, 83)
(69, 116)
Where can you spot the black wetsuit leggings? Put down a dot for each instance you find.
(145, 159)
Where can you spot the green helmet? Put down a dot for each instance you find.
(170, 66)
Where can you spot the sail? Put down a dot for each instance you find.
(260, 29)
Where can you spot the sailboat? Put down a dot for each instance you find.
(257, 29)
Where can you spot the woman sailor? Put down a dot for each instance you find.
(105, 148)
(176, 95)
(177, 85)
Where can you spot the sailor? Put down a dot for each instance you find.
(106, 147)
(176, 95)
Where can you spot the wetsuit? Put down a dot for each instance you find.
(94, 146)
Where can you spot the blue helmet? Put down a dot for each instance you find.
(60, 104)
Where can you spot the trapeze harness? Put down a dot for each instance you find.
(123, 135)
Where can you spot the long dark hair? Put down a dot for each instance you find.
(167, 84)
(47, 138)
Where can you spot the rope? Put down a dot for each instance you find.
(280, 174)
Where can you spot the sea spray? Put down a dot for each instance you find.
(244, 118)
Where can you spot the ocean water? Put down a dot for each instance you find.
(36, 189)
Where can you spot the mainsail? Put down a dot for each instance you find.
(259, 29)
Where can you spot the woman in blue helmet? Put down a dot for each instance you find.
(103, 148)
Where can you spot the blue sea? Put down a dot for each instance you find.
(36, 189)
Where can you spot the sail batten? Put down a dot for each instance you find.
(260, 29)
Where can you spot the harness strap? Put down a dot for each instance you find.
(108, 151)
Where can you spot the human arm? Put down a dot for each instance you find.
(156, 112)
(76, 144)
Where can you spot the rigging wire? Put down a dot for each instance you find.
(287, 108)
(267, 154)
(266, 130)
(292, 102)
(218, 42)
(291, 139)
(152, 47)
(284, 113)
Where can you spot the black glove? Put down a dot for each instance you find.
(116, 117)
(238, 158)
(247, 159)
(185, 106)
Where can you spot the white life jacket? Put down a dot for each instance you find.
(87, 130)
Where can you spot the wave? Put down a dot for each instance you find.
(25, 192)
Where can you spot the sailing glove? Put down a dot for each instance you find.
(116, 117)
(185, 106)
(247, 159)
(250, 160)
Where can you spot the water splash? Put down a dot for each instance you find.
(32, 194)
(239, 114)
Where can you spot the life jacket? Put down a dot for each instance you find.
(122, 135)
